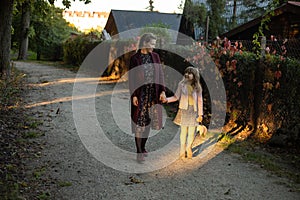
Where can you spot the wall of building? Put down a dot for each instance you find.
(86, 20)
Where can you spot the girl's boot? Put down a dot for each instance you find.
(183, 135)
(189, 152)
(182, 151)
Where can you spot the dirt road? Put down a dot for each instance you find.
(80, 174)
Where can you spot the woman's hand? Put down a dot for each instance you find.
(135, 101)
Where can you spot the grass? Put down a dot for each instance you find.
(44, 196)
(226, 140)
(279, 164)
(39, 172)
(31, 123)
(64, 184)
(34, 124)
(10, 90)
(16, 143)
(32, 135)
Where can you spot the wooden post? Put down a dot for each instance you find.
(263, 46)
(207, 27)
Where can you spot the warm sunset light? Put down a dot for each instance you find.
(94, 15)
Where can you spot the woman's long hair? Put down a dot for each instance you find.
(146, 37)
(196, 81)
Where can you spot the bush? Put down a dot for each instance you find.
(76, 49)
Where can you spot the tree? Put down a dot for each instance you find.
(215, 13)
(6, 13)
(254, 9)
(49, 30)
(233, 21)
(23, 45)
(150, 7)
(194, 15)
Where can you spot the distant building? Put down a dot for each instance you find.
(283, 33)
(86, 20)
(120, 21)
(285, 23)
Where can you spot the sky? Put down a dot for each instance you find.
(164, 6)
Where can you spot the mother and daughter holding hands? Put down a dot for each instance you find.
(146, 85)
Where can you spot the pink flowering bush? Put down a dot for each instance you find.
(260, 92)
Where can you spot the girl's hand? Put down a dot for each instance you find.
(135, 101)
(199, 119)
(163, 97)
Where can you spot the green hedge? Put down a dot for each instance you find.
(77, 48)
(262, 95)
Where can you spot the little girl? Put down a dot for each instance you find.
(190, 112)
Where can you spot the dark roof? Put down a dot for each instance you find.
(124, 20)
(290, 6)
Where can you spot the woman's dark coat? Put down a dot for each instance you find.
(136, 80)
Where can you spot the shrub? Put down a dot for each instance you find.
(76, 49)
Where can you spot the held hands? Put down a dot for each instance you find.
(163, 97)
(135, 101)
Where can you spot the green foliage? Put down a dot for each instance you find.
(47, 30)
(217, 9)
(9, 89)
(50, 31)
(281, 92)
(77, 48)
(67, 3)
(264, 25)
(158, 29)
(194, 12)
(226, 141)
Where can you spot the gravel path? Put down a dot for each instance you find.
(211, 174)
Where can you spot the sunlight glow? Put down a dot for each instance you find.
(70, 98)
(169, 6)
(63, 81)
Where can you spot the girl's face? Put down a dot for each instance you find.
(149, 45)
(189, 76)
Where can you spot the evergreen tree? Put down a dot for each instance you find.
(216, 14)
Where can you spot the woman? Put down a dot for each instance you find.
(146, 85)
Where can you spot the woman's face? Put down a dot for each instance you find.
(149, 46)
(189, 76)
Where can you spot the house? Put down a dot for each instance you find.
(285, 24)
(121, 21)
(282, 36)
(86, 20)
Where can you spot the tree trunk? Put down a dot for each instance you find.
(6, 11)
(38, 52)
(23, 48)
